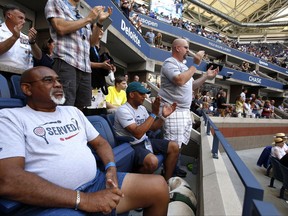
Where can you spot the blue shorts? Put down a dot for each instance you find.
(97, 184)
(159, 146)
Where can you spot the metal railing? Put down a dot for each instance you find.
(253, 190)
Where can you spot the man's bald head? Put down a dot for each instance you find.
(34, 73)
(180, 49)
(179, 42)
(43, 88)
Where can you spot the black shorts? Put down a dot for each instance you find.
(160, 146)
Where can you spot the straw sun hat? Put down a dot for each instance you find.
(280, 135)
(278, 140)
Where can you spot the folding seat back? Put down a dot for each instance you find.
(15, 80)
(5, 96)
(284, 171)
(123, 153)
(277, 174)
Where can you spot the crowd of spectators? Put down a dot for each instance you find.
(244, 107)
(275, 53)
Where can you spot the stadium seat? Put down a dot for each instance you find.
(17, 92)
(277, 174)
(8, 206)
(284, 171)
(5, 97)
(110, 119)
(123, 153)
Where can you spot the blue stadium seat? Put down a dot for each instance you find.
(17, 92)
(8, 206)
(5, 97)
(284, 171)
(277, 174)
(123, 153)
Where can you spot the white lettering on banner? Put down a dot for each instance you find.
(286, 72)
(255, 79)
(149, 23)
(263, 63)
(130, 33)
(220, 47)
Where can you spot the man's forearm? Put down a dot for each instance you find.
(64, 27)
(7, 44)
(31, 189)
(103, 149)
(36, 51)
(197, 83)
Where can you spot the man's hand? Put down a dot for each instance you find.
(106, 65)
(156, 105)
(168, 109)
(95, 13)
(17, 29)
(32, 34)
(104, 15)
(211, 74)
(102, 201)
(198, 57)
(111, 178)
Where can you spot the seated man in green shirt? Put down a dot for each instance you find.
(116, 94)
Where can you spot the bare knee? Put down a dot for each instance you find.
(161, 188)
(173, 148)
(150, 163)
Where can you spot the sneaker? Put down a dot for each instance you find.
(179, 172)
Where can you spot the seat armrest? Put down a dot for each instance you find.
(123, 139)
(7, 206)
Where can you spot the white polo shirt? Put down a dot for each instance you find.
(19, 55)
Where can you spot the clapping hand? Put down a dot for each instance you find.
(104, 15)
(211, 73)
(95, 12)
(156, 105)
(198, 57)
(168, 109)
(32, 34)
(17, 29)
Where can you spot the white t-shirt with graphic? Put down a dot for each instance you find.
(54, 144)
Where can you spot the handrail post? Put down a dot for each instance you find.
(215, 147)
(208, 128)
(205, 118)
(250, 195)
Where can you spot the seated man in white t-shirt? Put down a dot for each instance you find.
(46, 164)
(16, 48)
(132, 119)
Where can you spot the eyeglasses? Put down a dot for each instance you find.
(125, 2)
(47, 80)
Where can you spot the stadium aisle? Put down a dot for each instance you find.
(250, 157)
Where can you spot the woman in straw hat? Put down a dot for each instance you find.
(279, 149)
(281, 135)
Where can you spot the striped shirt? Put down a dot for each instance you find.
(72, 48)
